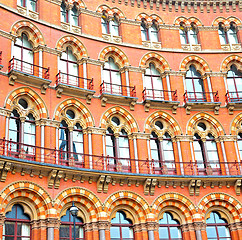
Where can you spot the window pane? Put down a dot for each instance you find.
(211, 232)
(175, 232)
(9, 228)
(127, 232)
(64, 231)
(163, 232)
(115, 232)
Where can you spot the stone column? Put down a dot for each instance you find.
(51, 224)
(151, 227)
(102, 227)
(188, 231)
(198, 226)
(2, 220)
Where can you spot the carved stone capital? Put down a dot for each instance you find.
(152, 226)
(187, 227)
(90, 227)
(37, 224)
(199, 226)
(140, 227)
(53, 222)
(104, 225)
(2, 219)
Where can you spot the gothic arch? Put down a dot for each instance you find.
(176, 201)
(131, 122)
(110, 11)
(200, 64)
(221, 200)
(130, 200)
(78, 48)
(207, 117)
(159, 61)
(226, 21)
(150, 18)
(80, 107)
(80, 4)
(187, 21)
(119, 56)
(236, 124)
(232, 59)
(37, 101)
(88, 201)
(27, 27)
(35, 196)
(176, 129)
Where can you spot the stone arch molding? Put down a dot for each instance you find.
(157, 59)
(175, 128)
(31, 30)
(119, 56)
(200, 64)
(87, 118)
(230, 60)
(111, 11)
(77, 47)
(219, 130)
(236, 124)
(187, 21)
(226, 21)
(40, 109)
(223, 201)
(89, 202)
(31, 193)
(149, 18)
(134, 203)
(131, 122)
(79, 3)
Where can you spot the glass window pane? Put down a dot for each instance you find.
(175, 232)
(163, 232)
(211, 232)
(64, 231)
(115, 232)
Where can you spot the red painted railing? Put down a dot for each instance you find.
(201, 97)
(73, 80)
(107, 163)
(233, 97)
(162, 95)
(117, 89)
(29, 68)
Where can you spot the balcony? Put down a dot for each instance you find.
(28, 73)
(56, 165)
(162, 99)
(202, 101)
(233, 101)
(117, 94)
(74, 86)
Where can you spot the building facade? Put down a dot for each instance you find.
(130, 109)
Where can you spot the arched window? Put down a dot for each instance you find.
(111, 149)
(162, 154)
(29, 4)
(69, 16)
(240, 144)
(124, 149)
(121, 227)
(17, 224)
(69, 68)
(234, 83)
(23, 54)
(110, 26)
(192, 34)
(228, 36)
(111, 77)
(195, 85)
(217, 227)
(64, 141)
(206, 155)
(153, 32)
(66, 227)
(183, 34)
(153, 83)
(144, 31)
(169, 228)
(15, 131)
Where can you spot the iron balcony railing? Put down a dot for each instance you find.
(162, 95)
(233, 97)
(57, 157)
(29, 68)
(201, 97)
(73, 80)
(117, 89)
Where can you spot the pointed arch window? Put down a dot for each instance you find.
(17, 224)
(69, 68)
(144, 31)
(206, 155)
(112, 77)
(29, 4)
(217, 227)
(110, 26)
(193, 34)
(169, 228)
(162, 154)
(124, 149)
(66, 231)
(228, 36)
(64, 140)
(23, 55)
(195, 86)
(183, 34)
(234, 83)
(121, 227)
(78, 144)
(153, 83)
(14, 131)
(69, 16)
(153, 32)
